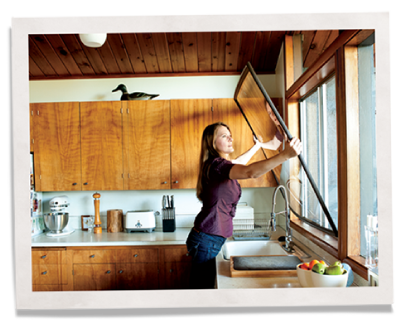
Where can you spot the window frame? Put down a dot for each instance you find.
(331, 61)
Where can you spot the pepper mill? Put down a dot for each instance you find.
(97, 222)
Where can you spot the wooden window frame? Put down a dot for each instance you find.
(339, 59)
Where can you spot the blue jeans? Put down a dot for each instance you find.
(203, 248)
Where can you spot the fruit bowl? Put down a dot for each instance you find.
(324, 280)
(304, 276)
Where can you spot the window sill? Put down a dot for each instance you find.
(330, 245)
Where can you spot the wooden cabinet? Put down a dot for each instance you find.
(131, 145)
(49, 269)
(137, 268)
(147, 145)
(101, 140)
(110, 268)
(227, 111)
(176, 265)
(188, 120)
(56, 146)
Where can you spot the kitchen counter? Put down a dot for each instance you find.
(224, 280)
(81, 238)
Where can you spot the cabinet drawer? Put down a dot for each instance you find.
(177, 254)
(45, 257)
(139, 255)
(94, 276)
(93, 256)
(48, 274)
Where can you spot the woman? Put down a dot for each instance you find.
(218, 189)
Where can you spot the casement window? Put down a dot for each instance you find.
(331, 107)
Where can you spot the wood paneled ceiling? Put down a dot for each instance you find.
(63, 56)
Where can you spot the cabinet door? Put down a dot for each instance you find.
(176, 268)
(56, 146)
(188, 120)
(101, 133)
(227, 111)
(137, 276)
(94, 276)
(147, 154)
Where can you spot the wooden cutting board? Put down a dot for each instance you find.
(264, 266)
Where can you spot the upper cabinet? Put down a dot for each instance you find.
(101, 139)
(147, 146)
(130, 145)
(188, 120)
(56, 146)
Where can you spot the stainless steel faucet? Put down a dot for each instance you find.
(288, 246)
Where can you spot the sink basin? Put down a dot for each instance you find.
(252, 248)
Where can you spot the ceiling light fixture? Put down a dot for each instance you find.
(93, 40)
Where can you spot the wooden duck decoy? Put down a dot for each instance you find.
(134, 95)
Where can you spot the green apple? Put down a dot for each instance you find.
(334, 270)
(336, 263)
(319, 268)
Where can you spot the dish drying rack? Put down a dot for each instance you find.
(247, 227)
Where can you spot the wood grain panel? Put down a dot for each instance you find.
(93, 256)
(137, 276)
(137, 255)
(260, 49)
(101, 132)
(317, 47)
(204, 51)
(40, 59)
(95, 59)
(134, 53)
(96, 276)
(57, 151)
(108, 58)
(34, 70)
(162, 51)
(176, 51)
(190, 51)
(188, 121)
(147, 139)
(148, 52)
(246, 49)
(63, 53)
(273, 50)
(74, 47)
(232, 51)
(118, 49)
(46, 274)
(218, 51)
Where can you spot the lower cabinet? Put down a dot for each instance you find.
(110, 268)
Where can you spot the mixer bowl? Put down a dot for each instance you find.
(56, 221)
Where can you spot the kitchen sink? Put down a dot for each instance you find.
(252, 248)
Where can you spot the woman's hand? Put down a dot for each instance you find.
(293, 149)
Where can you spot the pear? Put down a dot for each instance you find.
(336, 263)
(319, 268)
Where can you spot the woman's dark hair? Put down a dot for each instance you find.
(207, 154)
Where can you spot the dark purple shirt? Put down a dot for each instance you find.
(220, 197)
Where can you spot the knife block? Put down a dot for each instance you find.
(168, 216)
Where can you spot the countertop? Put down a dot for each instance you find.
(224, 280)
(81, 238)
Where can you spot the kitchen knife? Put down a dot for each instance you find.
(168, 202)
(172, 201)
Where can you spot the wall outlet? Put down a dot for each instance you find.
(373, 279)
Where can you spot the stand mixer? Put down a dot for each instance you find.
(57, 220)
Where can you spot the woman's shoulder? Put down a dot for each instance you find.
(221, 166)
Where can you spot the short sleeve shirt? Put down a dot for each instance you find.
(220, 198)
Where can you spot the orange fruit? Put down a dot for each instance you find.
(312, 263)
(304, 266)
(323, 262)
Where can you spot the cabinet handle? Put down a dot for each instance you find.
(45, 272)
(176, 181)
(92, 256)
(120, 271)
(165, 182)
(171, 270)
(85, 183)
(108, 271)
(44, 257)
(74, 184)
(135, 255)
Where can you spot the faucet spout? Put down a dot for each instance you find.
(288, 246)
